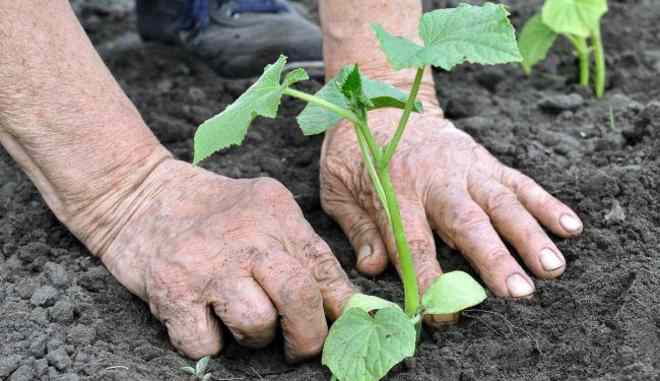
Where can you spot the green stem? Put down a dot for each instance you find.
(344, 113)
(599, 56)
(369, 162)
(584, 56)
(410, 287)
(410, 104)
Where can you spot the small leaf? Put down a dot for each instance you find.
(230, 126)
(451, 293)
(535, 41)
(578, 17)
(368, 303)
(361, 347)
(295, 76)
(475, 34)
(315, 120)
(188, 369)
(200, 368)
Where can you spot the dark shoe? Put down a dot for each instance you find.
(237, 38)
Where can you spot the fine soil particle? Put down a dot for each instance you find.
(63, 317)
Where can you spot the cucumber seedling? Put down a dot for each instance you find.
(372, 335)
(579, 22)
(198, 373)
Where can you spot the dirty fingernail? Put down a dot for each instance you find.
(519, 286)
(550, 260)
(570, 223)
(364, 253)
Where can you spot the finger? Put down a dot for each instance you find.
(552, 213)
(192, 328)
(246, 311)
(332, 281)
(362, 233)
(297, 297)
(519, 227)
(468, 226)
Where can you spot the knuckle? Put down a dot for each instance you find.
(302, 291)
(360, 228)
(468, 220)
(272, 192)
(500, 201)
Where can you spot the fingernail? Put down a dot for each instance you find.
(550, 260)
(519, 286)
(570, 223)
(364, 253)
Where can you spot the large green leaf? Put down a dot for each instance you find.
(535, 41)
(577, 17)
(475, 34)
(230, 126)
(315, 120)
(451, 293)
(362, 347)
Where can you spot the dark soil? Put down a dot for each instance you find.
(63, 317)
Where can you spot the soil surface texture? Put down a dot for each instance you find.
(63, 317)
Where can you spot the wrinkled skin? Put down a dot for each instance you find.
(447, 184)
(203, 250)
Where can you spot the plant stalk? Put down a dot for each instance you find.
(584, 57)
(344, 113)
(410, 287)
(599, 58)
(390, 149)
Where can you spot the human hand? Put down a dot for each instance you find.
(449, 184)
(205, 250)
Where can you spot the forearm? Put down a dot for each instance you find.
(65, 120)
(348, 39)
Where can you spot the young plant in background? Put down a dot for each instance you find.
(372, 335)
(579, 22)
(198, 373)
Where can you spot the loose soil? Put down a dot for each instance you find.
(63, 317)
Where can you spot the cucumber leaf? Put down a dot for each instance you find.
(368, 303)
(315, 120)
(467, 33)
(576, 17)
(230, 126)
(536, 39)
(364, 347)
(452, 292)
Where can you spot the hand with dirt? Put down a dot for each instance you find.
(448, 184)
(205, 250)
(201, 249)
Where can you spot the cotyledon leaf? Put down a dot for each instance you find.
(467, 33)
(452, 292)
(368, 303)
(261, 99)
(364, 347)
(577, 17)
(536, 39)
(315, 120)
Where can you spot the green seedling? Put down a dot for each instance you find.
(198, 373)
(579, 22)
(372, 335)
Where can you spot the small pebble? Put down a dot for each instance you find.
(561, 102)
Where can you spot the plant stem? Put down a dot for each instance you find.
(410, 103)
(369, 162)
(344, 113)
(584, 56)
(410, 287)
(599, 56)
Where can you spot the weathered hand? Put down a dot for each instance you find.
(203, 249)
(449, 184)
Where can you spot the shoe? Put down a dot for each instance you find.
(237, 38)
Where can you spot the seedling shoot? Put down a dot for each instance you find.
(579, 22)
(373, 335)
